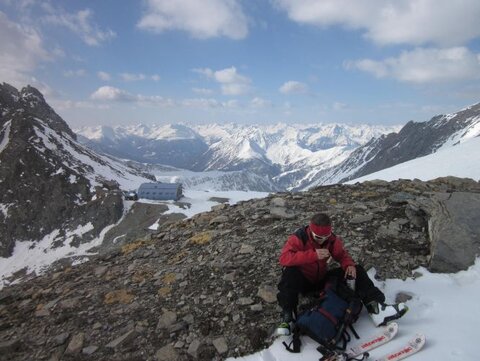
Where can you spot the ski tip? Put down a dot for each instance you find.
(392, 328)
(419, 340)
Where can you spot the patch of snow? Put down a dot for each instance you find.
(4, 208)
(80, 156)
(72, 179)
(461, 160)
(154, 227)
(472, 131)
(200, 200)
(6, 135)
(38, 256)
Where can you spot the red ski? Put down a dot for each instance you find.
(387, 333)
(412, 347)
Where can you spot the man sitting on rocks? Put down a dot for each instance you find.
(305, 257)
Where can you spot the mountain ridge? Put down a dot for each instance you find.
(52, 187)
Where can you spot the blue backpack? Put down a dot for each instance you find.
(327, 322)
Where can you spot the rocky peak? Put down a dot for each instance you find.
(205, 288)
(29, 103)
(47, 180)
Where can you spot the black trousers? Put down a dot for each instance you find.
(293, 283)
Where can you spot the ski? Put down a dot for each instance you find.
(412, 347)
(387, 334)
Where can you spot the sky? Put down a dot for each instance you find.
(242, 61)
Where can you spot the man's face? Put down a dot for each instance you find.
(320, 238)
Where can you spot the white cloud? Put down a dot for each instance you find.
(104, 76)
(155, 77)
(209, 103)
(231, 82)
(339, 106)
(424, 65)
(258, 102)
(201, 19)
(21, 51)
(202, 91)
(393, 21)
(112, 94)
(70, 104)
(132, 77)
(79, 23)
(204, 103)
(74, 73)
(293, 87)
(109, 93)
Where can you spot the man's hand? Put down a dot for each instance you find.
(323, 253)
(351, 271)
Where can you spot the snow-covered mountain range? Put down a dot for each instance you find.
(52, 187)
(283, 156)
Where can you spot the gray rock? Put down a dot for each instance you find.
(10, 346)
(167, 353)
(193, 348)
(278, 202)
(100, 271)
(89, 350)
(402, 297)
(390, 231)
(219, 219)
(69, 303)
(42, 313)
(416, 216)
(167, 319)
(280, 212)
(61, 338)
(401, 197)
(123, 340)
(246, 249)
(244, 301)
(267, 293)
(220, 345)
(454, 230)
(256, 308)
(361, 219)
(76, 344)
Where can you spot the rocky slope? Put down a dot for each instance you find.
(52, 187)
(204, 288)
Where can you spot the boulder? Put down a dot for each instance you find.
(454, 231)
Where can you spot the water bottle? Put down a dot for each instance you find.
(351, 283)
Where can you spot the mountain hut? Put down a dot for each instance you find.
(160, 191)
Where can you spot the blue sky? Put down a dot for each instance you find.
(254, 62)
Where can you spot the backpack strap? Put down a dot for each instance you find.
(294, 345)
(301, 234)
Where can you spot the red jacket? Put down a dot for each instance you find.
(294, 253)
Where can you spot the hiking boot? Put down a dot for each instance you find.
(283, 329)
(383, 314)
